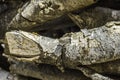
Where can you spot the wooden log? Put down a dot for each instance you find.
(38, 11)
(93, 74)
(56, 24)
(109, 68)
(46, 72)
(5, 75)
(95, 17)
(86, 47)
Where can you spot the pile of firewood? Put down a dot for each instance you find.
(60, 40)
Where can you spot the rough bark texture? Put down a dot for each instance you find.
(112, 67)
(4, 75)
(37, 12)
(93, 74)
(95, 17)
(46, 72)
(86, 47)
(62, 40)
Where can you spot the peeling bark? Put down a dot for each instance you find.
(86, 47)
(88, 52)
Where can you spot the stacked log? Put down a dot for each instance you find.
(59, 40)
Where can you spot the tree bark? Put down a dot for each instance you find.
(93, 52)
(35, 12)
(86, 47)
(107, 67)
(45, 72)
(5, 75)
(95, 17)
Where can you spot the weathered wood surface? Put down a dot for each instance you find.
(93, 74)
(5, 75)
(95, 17)
(111, 67)
(37, 12)
(91, 53)
(86, 47)
(46, 72)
